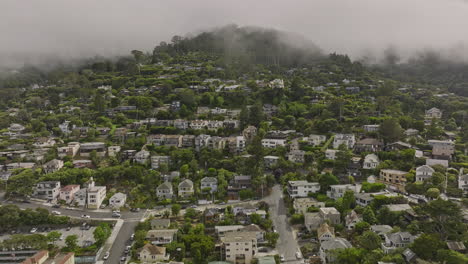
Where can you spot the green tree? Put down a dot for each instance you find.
(390, 130)
(369, 240)
(433, 193)
(426, 246)
(369, 216)
(175, 209)
(53, 236)
(71, 242)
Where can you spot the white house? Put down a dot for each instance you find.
(302, 188)
(316, 140)
(239, 247)
(185, 188)
(463, 182)
(433, 113)
(273, 143)
(165, 190)
(118, 200)
(344, 139)
(142, 156)
(209, 182)
(96, 195)
(48, 190)
(330, 154)
(371, 161)
(423, 173)
(338, 190)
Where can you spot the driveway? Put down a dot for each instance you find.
(287, 244)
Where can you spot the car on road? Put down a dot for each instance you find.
(122, 259)
(56, 213)
(132, 237)
(62, 237)
(69, 228)
(56, 206)
(298, 255)
(193, 206)
(34, 230)
(135, 210)
(282, 259)
(106, 255)
(116, 214)
(85, 216)
(263, 249)
(274, 230)
(127, 249)
(26, 201)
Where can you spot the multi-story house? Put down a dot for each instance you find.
(165, 191)
(249, 133)
(337, 191)
(181, 124)
(157, 161)
(302, 188)
(331, 154)
(95, 196)
(371, 128)
(236, 144)
(423, 173)
(393, 178)
(209, 182)
(296, 156)
(394, 241)
(270, 161)
(316, 140)
(173, 141)
(87, 148)
(53, 166)
(70, 150)
(152, 254)
(113, 150)
(188, 141)
(67, 193)
(161, 236)
(433, 113)
(142, 156)
(185, 188)
(463, 181)
(239, 247)
(325, 233)
(216, 143)
(442, 149)
(301, 205)
(118, 200)
(344, 139)
(273, 143)
(371, 161)
(368, 145)
(48, 190)
(201, 141)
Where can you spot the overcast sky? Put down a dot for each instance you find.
(109, 27)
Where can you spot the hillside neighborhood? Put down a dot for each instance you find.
(178, 157)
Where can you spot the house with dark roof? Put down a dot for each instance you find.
(165, 191)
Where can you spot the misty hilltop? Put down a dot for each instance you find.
(249, 44)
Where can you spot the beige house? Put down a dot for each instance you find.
(161, 237)
(185, 188)
(151, 253)
(302, 204)
(394, 178)
(239, 247)
(325, 232)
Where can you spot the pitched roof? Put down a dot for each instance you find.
(165, 186)
(154, 250)
(324, 228)
(186, 184)
(456, 245)
(335, 243)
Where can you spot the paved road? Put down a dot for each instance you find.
(287, 243)
(121, 241)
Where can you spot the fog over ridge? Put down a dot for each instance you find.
(35, 30)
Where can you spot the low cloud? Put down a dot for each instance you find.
(34, 30)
